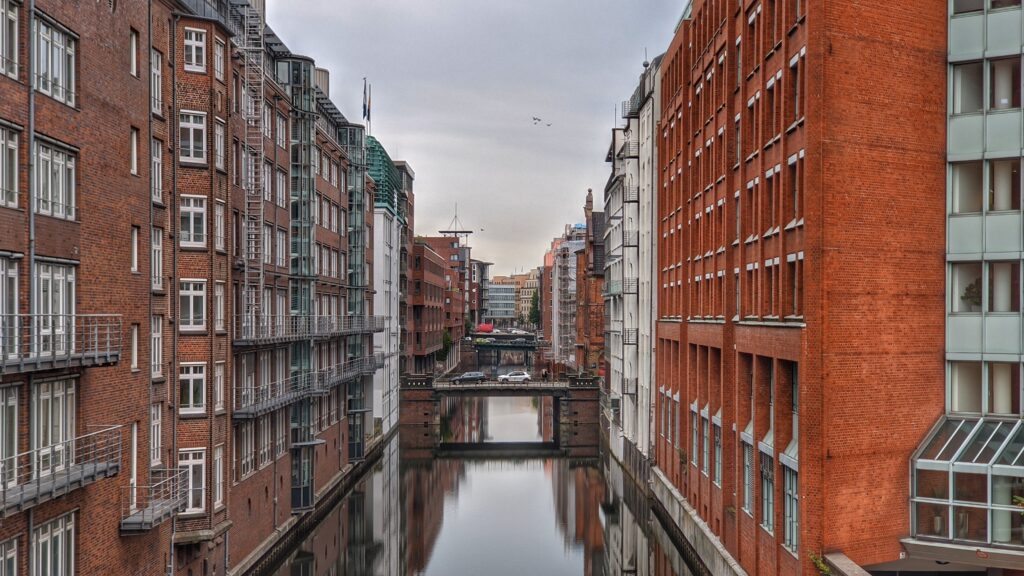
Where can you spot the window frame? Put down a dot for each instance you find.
(194, 124)
(156, 343)
(196, 458)
(195, 207)
(63, 164)
(196, 296)
(156, 82)
(155, 433)
(195, 374)
(9, 169)
(194, 50)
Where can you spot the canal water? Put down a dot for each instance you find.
(425, 510)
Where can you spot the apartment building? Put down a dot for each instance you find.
(590, 310)
(798, 369)
(457, 279)
(427, 296)
(501, 309)
(527, 288)
(561, 306)
(480, 291)
(406, 241)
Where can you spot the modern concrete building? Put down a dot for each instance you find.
(501, 310)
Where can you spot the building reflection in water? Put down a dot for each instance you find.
(417, 514)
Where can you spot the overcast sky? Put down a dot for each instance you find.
(456, 84)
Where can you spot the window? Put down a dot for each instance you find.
(192, 383)
(965, 6)
(281, 430)
(795, 87)
(194, 462)
(1004, 286)
(245, 451)
(268, 170)
(996, 4)
(156, 81)
(282, 189)
(135, 346)
(157, 168)
(791, 507)
(965, 287)
(218, 306)
(748, 478)
(193, 305)
(193, 221)
(53, 425)
(9, 39)
(218, 225)
(795, 10)
(218, 59)
(155, 432)
(55, 182)
(53, 547)
(267, 119)
(134, 237)
(54, 306)
(8, 306)
(192, 137)
(694, 441)
(195, 50)
(9, 552)
(1004, 184)
(156, 256)
(218, 145)
(282, 131)
(156, 344)
(8, 434)
(218, 386)
(266, 442)
(767, 492)
(54, 66)
(282, 248)
(967, 88)
(718, 455)
(133, 53)
(1004, 90)
(705, 460)
(268, 241)
(8, 164)
(218, 476)
(965, 387)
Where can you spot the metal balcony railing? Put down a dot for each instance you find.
(268, 329)
(629, 386)
(145, 507)
(629, 336)
(630, 238)
(630, 193)
(255, 400)
(631, 107)
(49, 472)
(629, 285)
(629, 149)
(31, 342)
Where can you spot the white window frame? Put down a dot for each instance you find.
(134, 342)
(281, 428)
(52, 424)
(218, 59)
(54, 305)
(156, 166)
(54, 65)
(133, 52)
(9, 38)
(218, 226)
(791, 499)
(281, 246)
(268, 181)
(54, 540)
(193, 459)
(192, 211)
(8, 163)
(155, 433)
(193, 124)
(134, 239)
(133, 143)
(282, 131)
(268, 115)
(156, 345)
(282, 188)
(55, 171)
(218, 385)
(193, 289)
(266, 440)
(9, 304)
(195, 374)
(156, 259)
(218, 306)
(156, 81)
(218, 145)
(9, 443)
(195, 50)
(245, 436)
(218, 477)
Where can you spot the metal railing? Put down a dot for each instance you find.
(629, 149)
(631, 107)
(629, 386)
(46, 341)
(42, 474)
(631, 193)
(630, 238)
(284, 327)
(251, 401)
(144, 507)
(629, 285)
(629, 336)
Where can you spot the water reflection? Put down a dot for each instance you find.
(417, 514)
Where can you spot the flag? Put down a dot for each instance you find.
(369, 103)
(366, 108)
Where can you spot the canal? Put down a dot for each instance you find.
(494, 512)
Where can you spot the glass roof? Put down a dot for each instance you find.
(986, 442)
(1013, 454)
(976, 441)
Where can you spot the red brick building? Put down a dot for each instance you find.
(427, 297)
(590, 314)
(790, 291)
(457, 290)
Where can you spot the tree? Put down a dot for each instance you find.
(446, 345)
(535, 309)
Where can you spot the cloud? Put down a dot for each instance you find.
(456, 84)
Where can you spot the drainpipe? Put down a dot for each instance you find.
(211, 416)
(171, 377)
(152, 179)
(31, 208)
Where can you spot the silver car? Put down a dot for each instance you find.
(518, 376)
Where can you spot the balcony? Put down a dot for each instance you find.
(630, 238)
(46, 473)
(629, 286)
(145, 507)
(270, 329)
(613, 288)
(630, 193)
(629, 386)
(30, 342)
(631, 107)
(629, 336)
(629, 149)
(256, 400)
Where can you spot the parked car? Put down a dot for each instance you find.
(517, 376)
(470, 377)
(520, 340)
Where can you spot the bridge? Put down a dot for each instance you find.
(575, 417)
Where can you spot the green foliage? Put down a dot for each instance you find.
(535, 309)
(819, 564)
(446, 346)
(1019, 501)
(972, 293)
